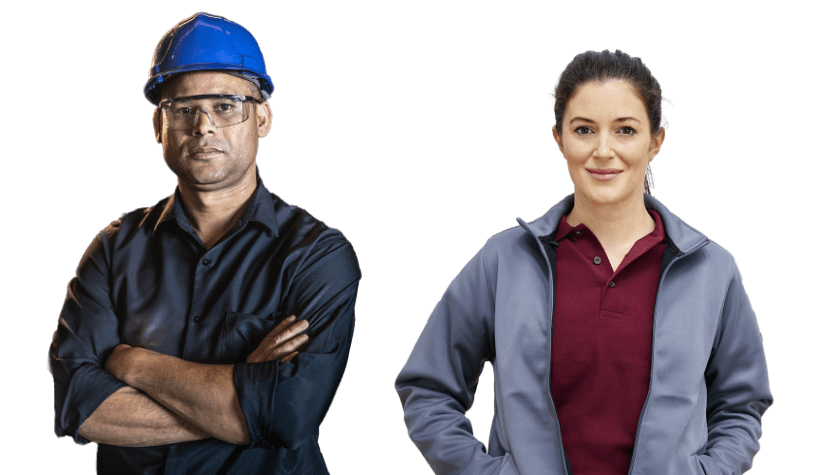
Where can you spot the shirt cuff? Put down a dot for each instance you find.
(256, 387)
(82, 393)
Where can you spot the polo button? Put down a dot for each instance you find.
(597, 260)
(206, 262)
(197, 319)
(612, 284)
(578, 233)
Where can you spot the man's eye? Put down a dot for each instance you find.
(224, 107)
(184, 110)
(583, 130)
(627, 130)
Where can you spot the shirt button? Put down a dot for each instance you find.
(597, 260)
(197, 319)
(578, 233)
(612, 284)
(206, 262)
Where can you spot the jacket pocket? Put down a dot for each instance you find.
(507, 467)
(242, 334)
(704, 465)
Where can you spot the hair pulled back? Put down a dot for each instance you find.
(605, 66)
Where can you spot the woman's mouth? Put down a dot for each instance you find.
(603, 174)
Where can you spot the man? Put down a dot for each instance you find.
(208, 333)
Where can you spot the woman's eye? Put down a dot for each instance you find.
(583, 130)
(627, 130)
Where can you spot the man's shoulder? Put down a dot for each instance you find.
(315, 240)
(295, 223)
(140, 220)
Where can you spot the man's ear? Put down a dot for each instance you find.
(158, 125)
(263, 119)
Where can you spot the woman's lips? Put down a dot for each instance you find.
(603, 174)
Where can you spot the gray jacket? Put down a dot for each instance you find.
(709, 382)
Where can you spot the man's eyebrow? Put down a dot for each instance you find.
(621, 119)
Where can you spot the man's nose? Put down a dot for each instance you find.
(203, 123)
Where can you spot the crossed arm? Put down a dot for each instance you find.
(170, 400)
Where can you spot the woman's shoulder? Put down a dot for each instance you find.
(514, 247)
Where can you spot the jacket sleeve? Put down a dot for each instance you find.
(438, 382)
(737, 383)
(86, 334)
(284, 403)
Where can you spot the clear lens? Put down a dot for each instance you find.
(222, 111)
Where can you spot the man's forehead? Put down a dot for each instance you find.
(205, 82)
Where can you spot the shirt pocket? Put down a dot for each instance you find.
(242, 334)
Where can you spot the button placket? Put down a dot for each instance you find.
(201, 324)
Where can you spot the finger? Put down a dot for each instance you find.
(280, 335)
(294, 344)
(276, 336)
(287, 348)
(273, 351)
(281, 326)
(289, 357)
(290, 332)
(270, 340)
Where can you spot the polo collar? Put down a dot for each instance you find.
(681, 237)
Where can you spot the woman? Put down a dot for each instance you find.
(621, 338)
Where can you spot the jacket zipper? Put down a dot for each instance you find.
(651, 382)
(550, 339)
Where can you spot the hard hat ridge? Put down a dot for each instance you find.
(205, 42)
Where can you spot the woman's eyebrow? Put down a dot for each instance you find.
(621, 119)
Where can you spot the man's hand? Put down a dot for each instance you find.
(281, 343)
(118, 362)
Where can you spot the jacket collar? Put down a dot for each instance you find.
(681, 237)
(260, 209)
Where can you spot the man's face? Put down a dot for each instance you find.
(204, 157)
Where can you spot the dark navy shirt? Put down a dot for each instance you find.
(147, 280)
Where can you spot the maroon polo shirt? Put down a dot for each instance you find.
(601, 345)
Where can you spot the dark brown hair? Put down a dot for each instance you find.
(607, 66)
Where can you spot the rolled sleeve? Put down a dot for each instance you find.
(86, 334)
(284, 403)
(738, 390)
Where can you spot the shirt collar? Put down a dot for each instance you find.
(564, 229)
(261, 209)
(678, 234)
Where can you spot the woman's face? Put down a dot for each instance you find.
(606, 140)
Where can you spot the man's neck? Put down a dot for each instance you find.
(214, 213)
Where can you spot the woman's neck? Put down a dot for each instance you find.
(617, 226)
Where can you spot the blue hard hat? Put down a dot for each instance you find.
(206, 42)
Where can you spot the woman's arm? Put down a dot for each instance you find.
(738, 391)
(438, 382)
